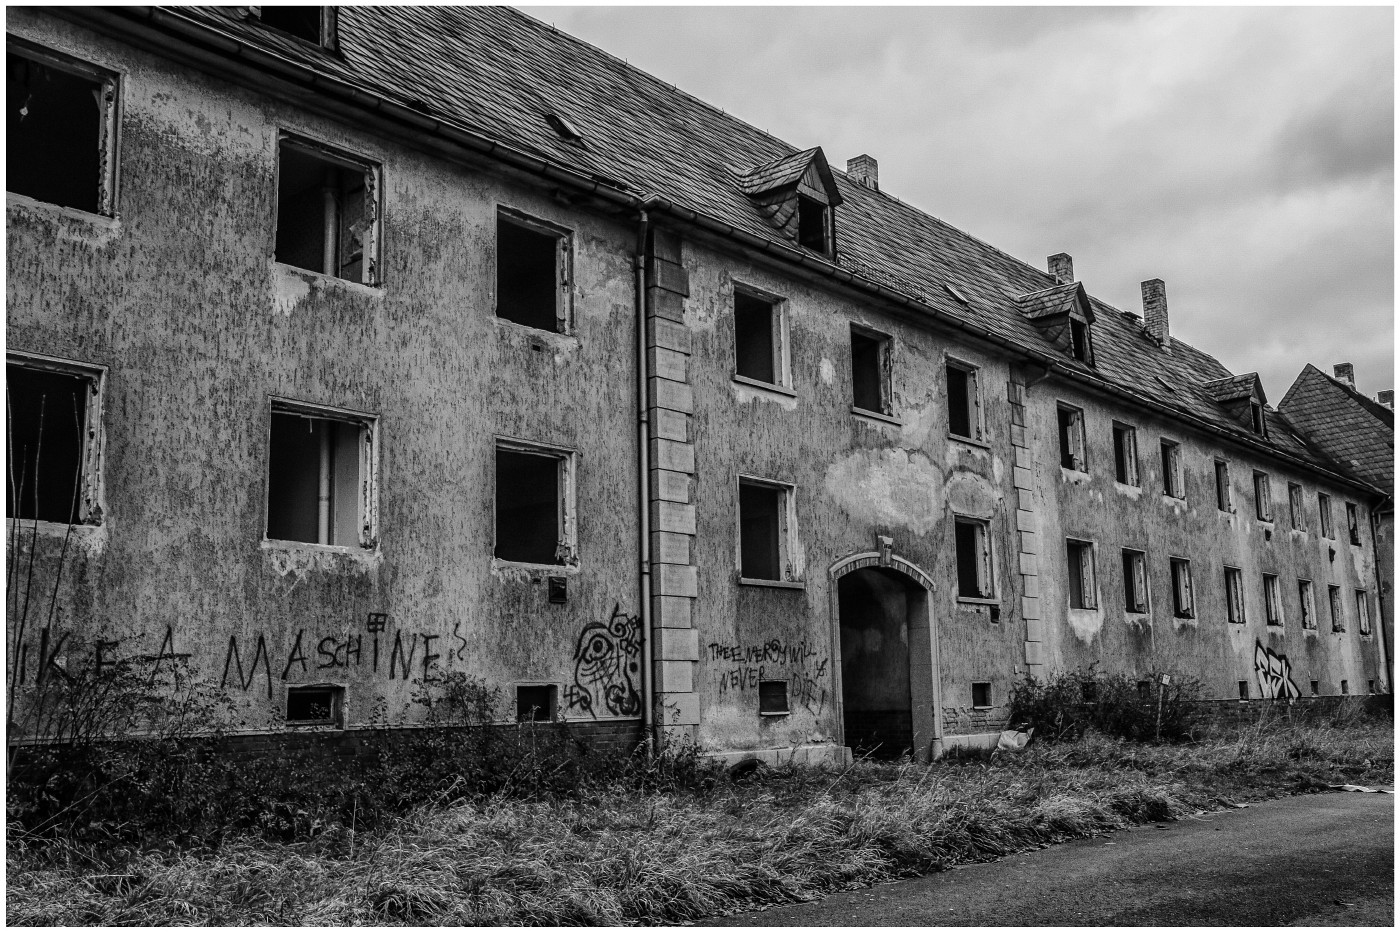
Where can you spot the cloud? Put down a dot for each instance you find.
(1244, 155)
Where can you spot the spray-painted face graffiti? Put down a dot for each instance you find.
(1275, 674)
(607, 666)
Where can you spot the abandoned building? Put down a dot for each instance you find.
(352, 348)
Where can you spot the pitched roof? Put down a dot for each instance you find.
(1349, 427)
(499, 74)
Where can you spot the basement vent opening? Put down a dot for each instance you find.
(1244, 690)
(772, 698)
(981, 696)
(314, 705)
(536, 702)
(1313, 685)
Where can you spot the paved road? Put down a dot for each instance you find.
(1320, 860)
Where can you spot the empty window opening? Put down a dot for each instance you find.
(1144, 691)
(870, 371)
(758, 339)
(981, 696)
(1183, 599)
(1363, 613)
(536, 702)
(531, 493)
(813, 224)
(1324, 514)
(1345, 688)
(772, 698)
(48, 436)
(1370, 686)
(1234, 596)
(1244, 690)
(1305, 604)
(1071, 422)
(304, 22)
(1125, 468)
(1295, 506)
(1079, 340)
(1134, 581)
(317, 478)
(1256, 418)
(1222, 487)
(964, 402)
(1263, 505)
(1273, 602)
(1173, 484)
(974, 558)
(1353, 523)
(319, 705)
(1334, 606)
(762, 531)
(1312, 684)
(59, 125)
(1082, 591)
(531, 283)
(326, 214)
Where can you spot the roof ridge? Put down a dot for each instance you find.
(675, 88)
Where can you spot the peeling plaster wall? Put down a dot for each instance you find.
(1096, 508)
(180, 297)
(855, 478)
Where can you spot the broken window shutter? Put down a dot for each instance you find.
(1086, 576)
(1140, 582)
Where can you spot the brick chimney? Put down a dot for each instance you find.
(1061, 266)
(1154, 311)
(1386, 397)
(864, 170)
(1345, 374)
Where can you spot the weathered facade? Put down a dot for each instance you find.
(395, 352)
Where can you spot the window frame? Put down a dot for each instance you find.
(1273, 600)
(1296, 519)
(1307, 604)
(1125, 455)
(1353, 523)
(778, 328)
(1183, 591)
(567, 510)
(885, 367)
(373, 172)
(986, 559)
(1234, 596)
(109, 126)
(1137, 591)
(1336, 608)
(827, 219)
(369, 463)
(789, 554)
(1224, 499)
(1173, 474)
(976, 414)
(1363, 612)
(91, 500)
(1073, 440)
(328, 32)
(1324, 515)
(563, 267)
(1263, 497)
(1084, 568)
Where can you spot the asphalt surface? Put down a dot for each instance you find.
(1318, 860)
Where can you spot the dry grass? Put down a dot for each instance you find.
(626, 857)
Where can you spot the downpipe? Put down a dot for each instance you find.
(644, 486)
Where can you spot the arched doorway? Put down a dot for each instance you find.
(887, 657)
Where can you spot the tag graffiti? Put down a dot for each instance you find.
(607, 667)
(1275, 674)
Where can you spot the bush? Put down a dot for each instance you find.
(1070, 702)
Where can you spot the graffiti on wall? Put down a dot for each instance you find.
(1275, 674)
(745, 665)
(607, 667)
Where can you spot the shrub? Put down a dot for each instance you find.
(1070, 702)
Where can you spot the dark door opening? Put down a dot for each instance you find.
(877, 706)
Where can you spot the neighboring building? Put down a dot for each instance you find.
(1358, 433)
(394, 337)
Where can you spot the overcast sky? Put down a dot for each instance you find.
(1244, 156)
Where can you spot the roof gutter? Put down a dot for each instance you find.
(128, 19)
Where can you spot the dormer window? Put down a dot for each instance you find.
(1256, 418)
(812, 224)
(1079, 340)
(314, 24)
(1063, 316)
(1243, 398)
(798, 196)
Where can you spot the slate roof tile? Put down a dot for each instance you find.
(499, 73)
(1350, 428)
